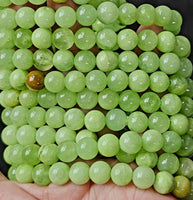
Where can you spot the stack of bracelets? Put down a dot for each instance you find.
(125, 95)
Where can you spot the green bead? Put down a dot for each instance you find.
(164, 182)
(87, 148)
(79, 173)
(147, 40)
(166, 41)
(150, 102)
(125, 157)
(137, 121)
(139, 81)
(24, 173)
(170, 104)
(187, 106)
(100, 172)
(163, 15)
(108, 99)
(159, 81)
(67, 151)
(116, 119)
(94, 120)
(178, 85)
(129, 100)
(145, 14)
(85, 38)
(127, 39)
(59, 173)
(168, 162)
(152, 140)
(148, 62)
(117, 80)
(183, 46)
(121, 174)
(63, 38)
(127, 13)
(108, 145)
(107, 12)
(145, 158)
(186, 167)
(106, 60)
(179, 123)
(63, 60)
(86, 15)
(40, 174)
(130, 142)
(186, 68)
(84, 61)
(128, 61)
(143, 177)
(159, 121)
(186, 148)
(106, 39)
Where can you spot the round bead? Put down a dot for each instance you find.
(137, 121)
(130, 142)
(168, 162)
(152, 140)
(143, 177)
(107, 12)
(127, 39)
(108, 145)
(85, 38)
(100, 172)
(106, 60)
(139, 81)
(121, 174)
(63, 38)
(65, 16)
(164, 182)
(170, 104)
(147, 40)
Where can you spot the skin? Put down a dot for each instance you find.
(10, 190)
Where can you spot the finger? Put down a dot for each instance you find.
(10, 191)
(55, 192)
(2, 177)
(111, 191)
(55, 6)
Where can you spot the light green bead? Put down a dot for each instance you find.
(59, 173)
(63, 38)
(168, 162)
(127, 39)
(108, 145)
(85, 38)
(164, 182)
(121, 174)
(128, 61)
(63, 60)
(152, 140)
(137, 121)
(127, 13)
(147, 40)
(139, 81)
(107, 12)
(143, 177)
(130, 142)
(79, 173)
(106, 60)
(100, 172)
(145, 14)
(86, 15)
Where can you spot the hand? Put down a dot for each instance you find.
(10, 190)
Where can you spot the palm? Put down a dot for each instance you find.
(71, 191)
